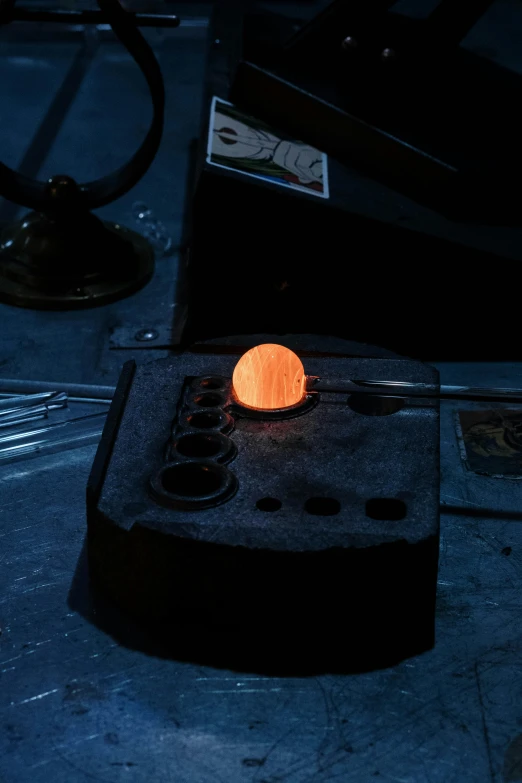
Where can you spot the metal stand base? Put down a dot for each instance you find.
(69, 263)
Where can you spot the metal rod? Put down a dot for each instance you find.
(49, 399)
(90, 17)
(84, 400)
(43, 438)
(422, 390)
(78, 392)
(23, 415)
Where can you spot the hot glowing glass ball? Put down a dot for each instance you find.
(269, 377)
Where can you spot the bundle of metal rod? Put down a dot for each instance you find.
(50, 400)
(24, 409)
(76, 392)
(47, 437)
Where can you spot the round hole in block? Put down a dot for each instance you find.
(192, 484)
(386, 509)
(205, 420)
(322, 507)
(374, 405)
(192, 479)
(269, 504)
(199, 445)
(212, 384)
(209, 400)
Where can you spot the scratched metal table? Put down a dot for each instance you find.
(77, 706)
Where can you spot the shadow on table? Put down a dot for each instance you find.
(290, 651)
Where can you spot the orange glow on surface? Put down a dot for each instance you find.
(269, 377)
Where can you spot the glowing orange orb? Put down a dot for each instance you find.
(269, 377)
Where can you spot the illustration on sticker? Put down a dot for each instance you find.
(491, 441)
(242, 143)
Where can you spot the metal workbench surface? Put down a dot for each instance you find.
(75, 705)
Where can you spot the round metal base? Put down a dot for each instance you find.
(49, 264)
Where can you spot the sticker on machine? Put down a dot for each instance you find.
(490, 442)
(239, 142)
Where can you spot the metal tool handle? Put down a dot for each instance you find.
(423, 390)
(88, 16)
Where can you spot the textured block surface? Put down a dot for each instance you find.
(335, 518)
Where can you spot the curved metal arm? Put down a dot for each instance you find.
(35, 195)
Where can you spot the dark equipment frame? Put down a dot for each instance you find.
(397, 97)
(372, 270)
